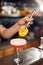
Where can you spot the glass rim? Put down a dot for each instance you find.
(13, 41)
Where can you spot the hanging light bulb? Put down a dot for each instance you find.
(40, 3)
(41, 7)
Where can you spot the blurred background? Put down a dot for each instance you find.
(12, 11)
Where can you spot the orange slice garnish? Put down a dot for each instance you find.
(23, 31)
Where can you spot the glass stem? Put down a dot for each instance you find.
(18, 56)
(17, 52)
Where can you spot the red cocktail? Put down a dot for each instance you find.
(18, 43)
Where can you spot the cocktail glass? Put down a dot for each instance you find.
(18, 43)
(41, 43)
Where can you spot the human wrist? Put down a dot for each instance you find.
(17, 26)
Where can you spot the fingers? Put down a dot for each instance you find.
(27, 19)
(31, 22)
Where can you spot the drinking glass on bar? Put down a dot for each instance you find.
(41, 43)
(18, 43)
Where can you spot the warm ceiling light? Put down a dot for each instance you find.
(41, 7)
(39, 1)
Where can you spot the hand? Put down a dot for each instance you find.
(25, 20)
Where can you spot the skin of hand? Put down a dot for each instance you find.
(9, 32)
(25, 20)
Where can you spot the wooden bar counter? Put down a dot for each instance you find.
(7, 53)
(8, 49)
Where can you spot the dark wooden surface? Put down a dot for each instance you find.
(8, 59)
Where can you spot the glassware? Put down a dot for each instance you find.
(41, 46)
(41, 43)
(18, 43)
(41, 37)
